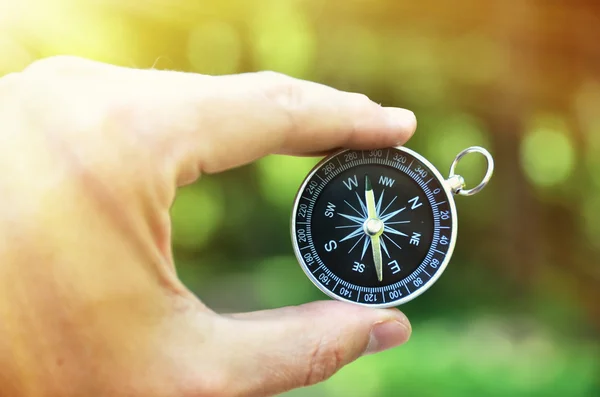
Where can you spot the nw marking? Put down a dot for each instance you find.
(386, 181)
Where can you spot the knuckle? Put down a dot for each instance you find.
(286, 94)
(274, 77)
(361, 98)
(280, 87)
(325, 360)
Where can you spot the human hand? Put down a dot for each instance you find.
(90, 303)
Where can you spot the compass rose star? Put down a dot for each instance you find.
(358, 217)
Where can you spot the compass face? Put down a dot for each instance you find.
(374, 227)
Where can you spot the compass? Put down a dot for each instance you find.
(378, 227)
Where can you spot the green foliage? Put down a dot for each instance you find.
(280, 178)
(547, 153)
(471, 357)
(196, 214)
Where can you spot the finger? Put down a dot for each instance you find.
(209, 124)
(278, 350)
(257, 114)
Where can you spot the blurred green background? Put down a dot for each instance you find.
(517, 312)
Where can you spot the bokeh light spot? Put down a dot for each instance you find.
(547, 153)
(281, 282)
(344, 383)
(358, 64)
(452, 135)
(283, 39)
(280, 178)
(196, 214)
(214, 48)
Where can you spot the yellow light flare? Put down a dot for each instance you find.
(214, 48)
(283, 39)
(15, 57)
(70, 27)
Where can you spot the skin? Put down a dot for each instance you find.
(90, 303)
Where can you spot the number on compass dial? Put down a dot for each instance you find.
(374, 227)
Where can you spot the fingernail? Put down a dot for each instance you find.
(386, 335)
(401, 118)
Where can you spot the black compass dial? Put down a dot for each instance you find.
(374, 227)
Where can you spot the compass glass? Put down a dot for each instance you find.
(374, 227)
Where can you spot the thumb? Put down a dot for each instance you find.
(278, 350)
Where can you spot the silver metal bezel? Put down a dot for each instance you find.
(430, 282)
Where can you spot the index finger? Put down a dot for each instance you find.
(228, 121)
(210, 124)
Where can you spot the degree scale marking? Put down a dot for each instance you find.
(425, 189)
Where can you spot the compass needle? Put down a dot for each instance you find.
(373, 227)
(376, 246)
(389, 204)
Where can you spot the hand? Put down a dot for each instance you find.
(90, 303)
